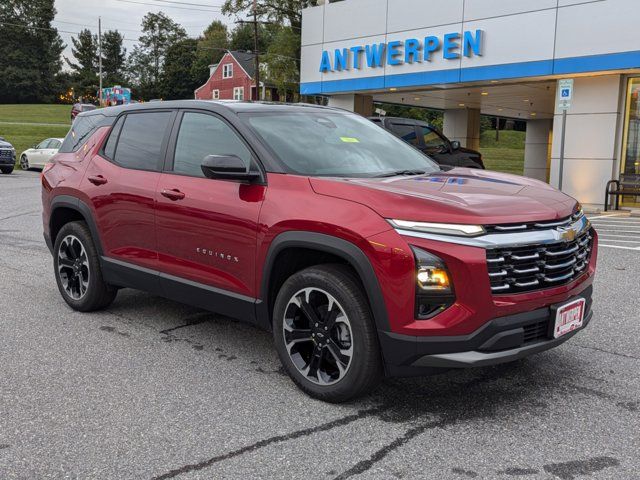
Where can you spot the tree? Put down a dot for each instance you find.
(242, 37)
(159, 33)
(114, 57)
(30, 51)
(85, 69)
(178, 80)
(277, 11)
(281, 63)
(211, 48)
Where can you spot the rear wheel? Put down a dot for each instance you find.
(24, 162)
(325, 335)
(6, 170)
(77, 269)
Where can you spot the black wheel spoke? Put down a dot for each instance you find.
(298, 335)
(308, 311)
(314, 362)
(341, 358)
(65, 262)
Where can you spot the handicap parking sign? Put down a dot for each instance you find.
(566, 92)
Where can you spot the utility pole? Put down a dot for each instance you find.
(255, 43)
(100, 57)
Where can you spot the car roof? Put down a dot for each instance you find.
(230, 105)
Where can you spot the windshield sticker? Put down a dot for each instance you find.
(349, 140)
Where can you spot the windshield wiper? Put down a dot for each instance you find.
(399, 173)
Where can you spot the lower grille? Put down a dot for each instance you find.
(536, 331)
(535, 267)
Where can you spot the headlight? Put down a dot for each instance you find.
(439, 228)
(434, 289)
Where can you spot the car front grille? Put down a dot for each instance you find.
(536, 331)
(6, 153)
(538, 266)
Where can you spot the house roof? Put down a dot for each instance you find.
(247, 61)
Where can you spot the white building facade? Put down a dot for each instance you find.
(499, 58)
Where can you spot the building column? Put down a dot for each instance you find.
(361, 104)
(463, 125)
(537, 149)
(591, 139)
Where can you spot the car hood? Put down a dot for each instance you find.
(5, 144)
(460, 195)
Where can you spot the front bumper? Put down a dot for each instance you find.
(501, 340)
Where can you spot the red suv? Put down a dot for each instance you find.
(359, 254)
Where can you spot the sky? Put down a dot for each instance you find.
(126, 16)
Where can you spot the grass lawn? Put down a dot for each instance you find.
(18, 124)
(505, 155)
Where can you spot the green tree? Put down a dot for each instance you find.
(281, 63)
(242, 37)
(178, 81)
(212, 45)
(114, 57)
(30, 51)
(159, 32)
(85, 68)
(277, 11)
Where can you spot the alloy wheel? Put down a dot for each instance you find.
(318, 336)
(24, 163)
(73, 267)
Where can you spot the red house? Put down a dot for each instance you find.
(231, 79)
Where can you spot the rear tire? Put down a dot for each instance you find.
(77, 268)
(325, 335)
(7, 170)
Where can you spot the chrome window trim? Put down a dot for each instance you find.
(502, 240)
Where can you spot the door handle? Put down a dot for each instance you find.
(97, 179)
(173, 194)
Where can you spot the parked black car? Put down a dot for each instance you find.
(7, 156)
(431, 141)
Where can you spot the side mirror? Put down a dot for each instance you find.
(455, 145)
(227, 167)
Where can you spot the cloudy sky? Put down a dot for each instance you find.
(126, 15)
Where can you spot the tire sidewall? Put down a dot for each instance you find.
(354, 304)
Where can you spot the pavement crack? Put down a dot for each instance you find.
(409, 435)
(578, 468)
(272, 440)
(605, 351)
(197, 320)
(20, 215)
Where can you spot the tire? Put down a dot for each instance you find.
(77, 270)
(7, 170)
(310, 344)
(24, 162)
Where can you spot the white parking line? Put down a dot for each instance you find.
(607, 216)
(635, 249)
(619, 241)
(608, 235)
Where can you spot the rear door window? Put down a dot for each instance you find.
(406, 133)
(142, 140)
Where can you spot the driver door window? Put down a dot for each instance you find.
(202, 135)
(433, 142)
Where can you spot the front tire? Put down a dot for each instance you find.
(325, 335)
(24, 162)
(77, 269)
(6, 170)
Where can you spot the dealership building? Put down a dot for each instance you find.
(509, 59)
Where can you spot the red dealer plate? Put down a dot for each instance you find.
(569, 317)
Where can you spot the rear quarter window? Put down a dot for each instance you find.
(81, 129)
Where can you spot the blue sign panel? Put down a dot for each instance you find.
(451, 46)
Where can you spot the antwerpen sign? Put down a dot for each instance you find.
(451, 46)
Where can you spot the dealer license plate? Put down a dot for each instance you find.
(569, 317)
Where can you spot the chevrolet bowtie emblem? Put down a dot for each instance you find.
(568, 234)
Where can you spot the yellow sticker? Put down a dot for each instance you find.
(349, 140)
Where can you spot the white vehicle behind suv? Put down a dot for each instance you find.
(39, 155)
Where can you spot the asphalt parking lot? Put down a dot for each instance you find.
(152, 389)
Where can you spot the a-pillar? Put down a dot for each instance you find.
(463, 125)
(537, 149)
(362, 104)
(591, 139)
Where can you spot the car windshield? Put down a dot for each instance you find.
(336, 144)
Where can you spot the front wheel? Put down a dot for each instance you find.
(24, 162)
(325, 334)
(77, 268)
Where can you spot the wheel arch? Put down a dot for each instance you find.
(349, 253)
(65, 209)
